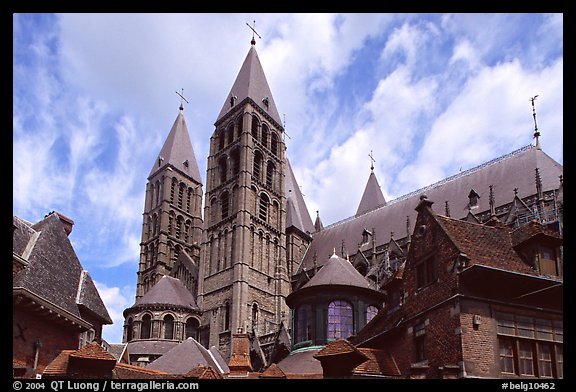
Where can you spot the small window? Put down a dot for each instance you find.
(426, 272)
(226, 320)
(304, 319)
(371, 311)
(270, 174)
(257, 165)
(168, 327)
(263, 207)
(420, 342)
(274, 143)
(506, 356)
(265, 135)
(192, 328)
(225, 203)
(254, 128)
(146, 327)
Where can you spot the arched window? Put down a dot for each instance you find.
(188, 198)
(304, 319)
(254, 317)
(168, 327)
(146, 327)
(172, 190)
(158, 192)
(371, 311)
(226, 317)
(257, 165)
(255, 127)
(239, 125)
(154, 219)
(235, 161)
(274, 143)
(270, 168)
(223, 169)
(221, 139)
(340, 320)
(263, 207)
(230, 133)
(192, 328)
(265, 132)
(181, 194)
(224, 204)
(129, 329)
(179, 221)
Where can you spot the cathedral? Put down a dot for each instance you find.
(240, 254)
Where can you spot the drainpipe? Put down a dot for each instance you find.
(37, 347)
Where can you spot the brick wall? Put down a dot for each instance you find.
(27, 328)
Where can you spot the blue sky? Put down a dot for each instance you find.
(429, 94)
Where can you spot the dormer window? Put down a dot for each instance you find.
(473, 197)
(548, 261)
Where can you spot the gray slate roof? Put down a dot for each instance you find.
(178, 152)
(168, 291)
(296, 211)
(54, 272)
(187, 355)
(251, 82)
(372, 197)
(514, 170)
(337, 271)
(301, 362)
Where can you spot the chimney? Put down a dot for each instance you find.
(67, 222)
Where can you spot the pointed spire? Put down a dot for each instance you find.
(178, 152)
(491, 201)
(318, 223)
(372, 197)
(296, 211)
(251, 83)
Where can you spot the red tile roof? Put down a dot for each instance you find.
(379, 362)
(337, 347)
(93, 351)
(273, 371)
(59, 365)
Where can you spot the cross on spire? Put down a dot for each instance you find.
(536, 132)
(373, 160)
(253, 42)
(182, 99)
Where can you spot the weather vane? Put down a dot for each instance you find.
(182, 99)
(253, 42)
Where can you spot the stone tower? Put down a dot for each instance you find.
(172, 219)
(243, 280)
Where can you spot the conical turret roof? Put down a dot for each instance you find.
(178, 152)
(251, 82)
(372, 197)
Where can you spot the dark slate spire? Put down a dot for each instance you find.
(296, 211)
(251, 83)
(178, 152)
(372, 197)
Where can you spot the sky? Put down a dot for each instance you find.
(429, 95)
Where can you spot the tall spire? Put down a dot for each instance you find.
(177, 151)
(251, 83)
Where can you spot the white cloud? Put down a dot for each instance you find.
(115, 299)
